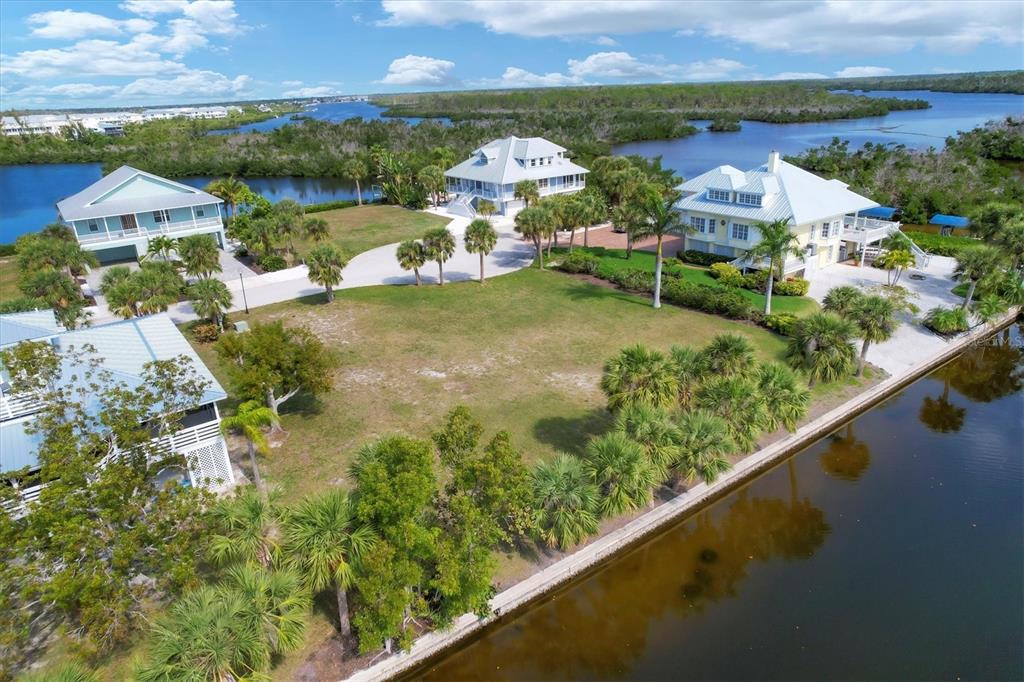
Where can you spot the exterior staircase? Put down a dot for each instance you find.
(462, 205)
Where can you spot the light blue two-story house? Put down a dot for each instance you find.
(117, 216)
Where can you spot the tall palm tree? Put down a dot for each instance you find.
(728, 355)
(276, 603)
(431, 177)
(654, 429)
(206, 635)
(158, 285)
(737, 401)
(486, 208)
(639, 376)
(160, 247)
(356, 170)
(842, 300)
(875, 317)
(412, 256)
(439, 245)
(246, 528)
(972, 265)
(821, 346)
(777, 242)
(251, 419)
(592, 210)
(623, 473)
(566, 501)
(287, 216)
(323, 538)
(480, 238)
(662, 220)
(786, 399)
(325, 263)
(210, 298)
(690, 368)
(118, 287)
(535, 223)
(232, 190)
(528, 191)
(199, 255)
(704, 444)
(316, 229)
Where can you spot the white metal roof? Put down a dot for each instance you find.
(790, 193)
(95, 201)
(500, 161)
(32, 324)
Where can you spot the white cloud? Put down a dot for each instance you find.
(291, 84)
(70, 90)
(795, 76)
(148, 8)
(197, 83)
(312, 91)
(514, 77)
(214, 16)
(416, 70)
(622, 65)
(93, 58)
(861, 71)
(821, 26)
(606, 41)
(68, 24)
(712, 69)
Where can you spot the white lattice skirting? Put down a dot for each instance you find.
(208, 464)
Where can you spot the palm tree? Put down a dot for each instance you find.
(276, 604)
(246, 529)
(439, 245)
(623, 473)
(528, 191)
(631, 219)
(325, 263)
(655, 431)
(118, 287)
(60, 232)
(728, 355)
(639, 376)
(206, 635)
(662, 219)
(739, 403)
(842, 300)
(68, 671)
(287, 220)
(592, 210)
(535, 223)
(777, 242)
(323, 539)
(895, 263)
(875, 317)
(232, 190)
(785, 398)
(158, 285)
(210, 298)
(566, 501)
(199, 255)
(432, 179)
(974, 264)
(316, 229)
(411, 256)
(251, 419)
(821, 346)
(704, 444)
(480, 238)
(486, 208)
(690, 368)
(160, 247)
(990, 308)
(355, 169)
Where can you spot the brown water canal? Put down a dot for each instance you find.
(891, 549)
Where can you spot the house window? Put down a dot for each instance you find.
(569, 180)
(748, 199)
(542, 183)
(161, 216)
(533, 162)
(718, 194)
(711, 225)
(824, 230)
(697, 223)
(740, 232)
(93, 227)
(812, 230)
(200, 212)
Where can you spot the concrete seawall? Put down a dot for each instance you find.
(588, 557)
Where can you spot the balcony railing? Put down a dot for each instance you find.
(163, 229)
(17, 405)
(791, 265)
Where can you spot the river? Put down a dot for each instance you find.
(891, 549)
(28, 193)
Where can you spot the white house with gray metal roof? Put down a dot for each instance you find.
(492, 171)
(116, 216)
(123, 349)
(724, 205)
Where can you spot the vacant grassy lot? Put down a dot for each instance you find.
(525, 351)
(361, 228)
(616, 259)
(8, 279)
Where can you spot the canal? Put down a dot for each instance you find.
(891, 549)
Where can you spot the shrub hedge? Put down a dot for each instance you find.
(634, 279)
(947, 320)
(780, 322)
(272, 263)
(701, 258)
(708, 299)
(940, 245)
(795, 286)
(579, 262)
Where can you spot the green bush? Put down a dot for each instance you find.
(940, 245)
(756, 280)
(272, 263)
(21, 304)
(947, 320)
(580, 261)
(726, 274)
(795, 286)
(709, 299)
(701, 258)
(205, 332)
(6, 249)
(672, 269)
(634, 279)
(780, 322)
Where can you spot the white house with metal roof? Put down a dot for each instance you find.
(123, 349)
(724, 205)
(492, 171)
(116, 216)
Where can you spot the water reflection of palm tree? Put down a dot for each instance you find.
(938, 414)
(847, 458)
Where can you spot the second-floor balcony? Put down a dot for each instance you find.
(866, 230)
(173, 229)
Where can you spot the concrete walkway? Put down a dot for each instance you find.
(912, 341)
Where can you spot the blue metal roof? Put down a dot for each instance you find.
(881, 212)
(950, 220)
(33, 324)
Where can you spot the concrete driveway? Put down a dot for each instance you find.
(912, 341)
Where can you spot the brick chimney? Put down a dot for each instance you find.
(773, 161)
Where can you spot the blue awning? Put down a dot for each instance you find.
(950, 220)
(880, 212)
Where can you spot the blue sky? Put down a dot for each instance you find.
(135, 52)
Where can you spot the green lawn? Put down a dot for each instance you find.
(8, 279)
(525, 351)
(616, 260)
(362, 228)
